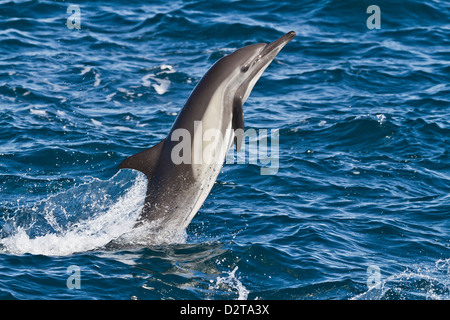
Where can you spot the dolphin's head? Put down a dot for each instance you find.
(247, 64)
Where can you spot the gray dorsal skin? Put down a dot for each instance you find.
(175, 190)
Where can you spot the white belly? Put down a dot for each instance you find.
(210, 146)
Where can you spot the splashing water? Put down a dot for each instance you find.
(430, 283)
(84, 218)
(231, 283)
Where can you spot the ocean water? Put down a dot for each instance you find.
(357, 206)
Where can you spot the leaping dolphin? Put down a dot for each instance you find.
(182, 168)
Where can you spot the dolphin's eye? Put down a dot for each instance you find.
(245, 68)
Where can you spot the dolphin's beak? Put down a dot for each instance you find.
(272, 49)
(267, 53)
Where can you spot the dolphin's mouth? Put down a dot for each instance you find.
(272, 49)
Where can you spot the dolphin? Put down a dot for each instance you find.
(182, 169)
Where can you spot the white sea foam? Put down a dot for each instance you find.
(231, 283)
(97, 79)
(85, 70)
(151, 233)
(89, 234)
(145, 80)
(110, 96)
(61, 114)
(96, 122)
(36, 112)
(106, 223)
(166, 68)
(162, 85)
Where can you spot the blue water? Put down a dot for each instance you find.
(359, 206)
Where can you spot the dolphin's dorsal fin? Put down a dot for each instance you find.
(144, 161)
(238, 122)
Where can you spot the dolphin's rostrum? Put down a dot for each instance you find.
(182, 168)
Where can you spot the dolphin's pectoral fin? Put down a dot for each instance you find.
(144, 161)
(238, 123)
